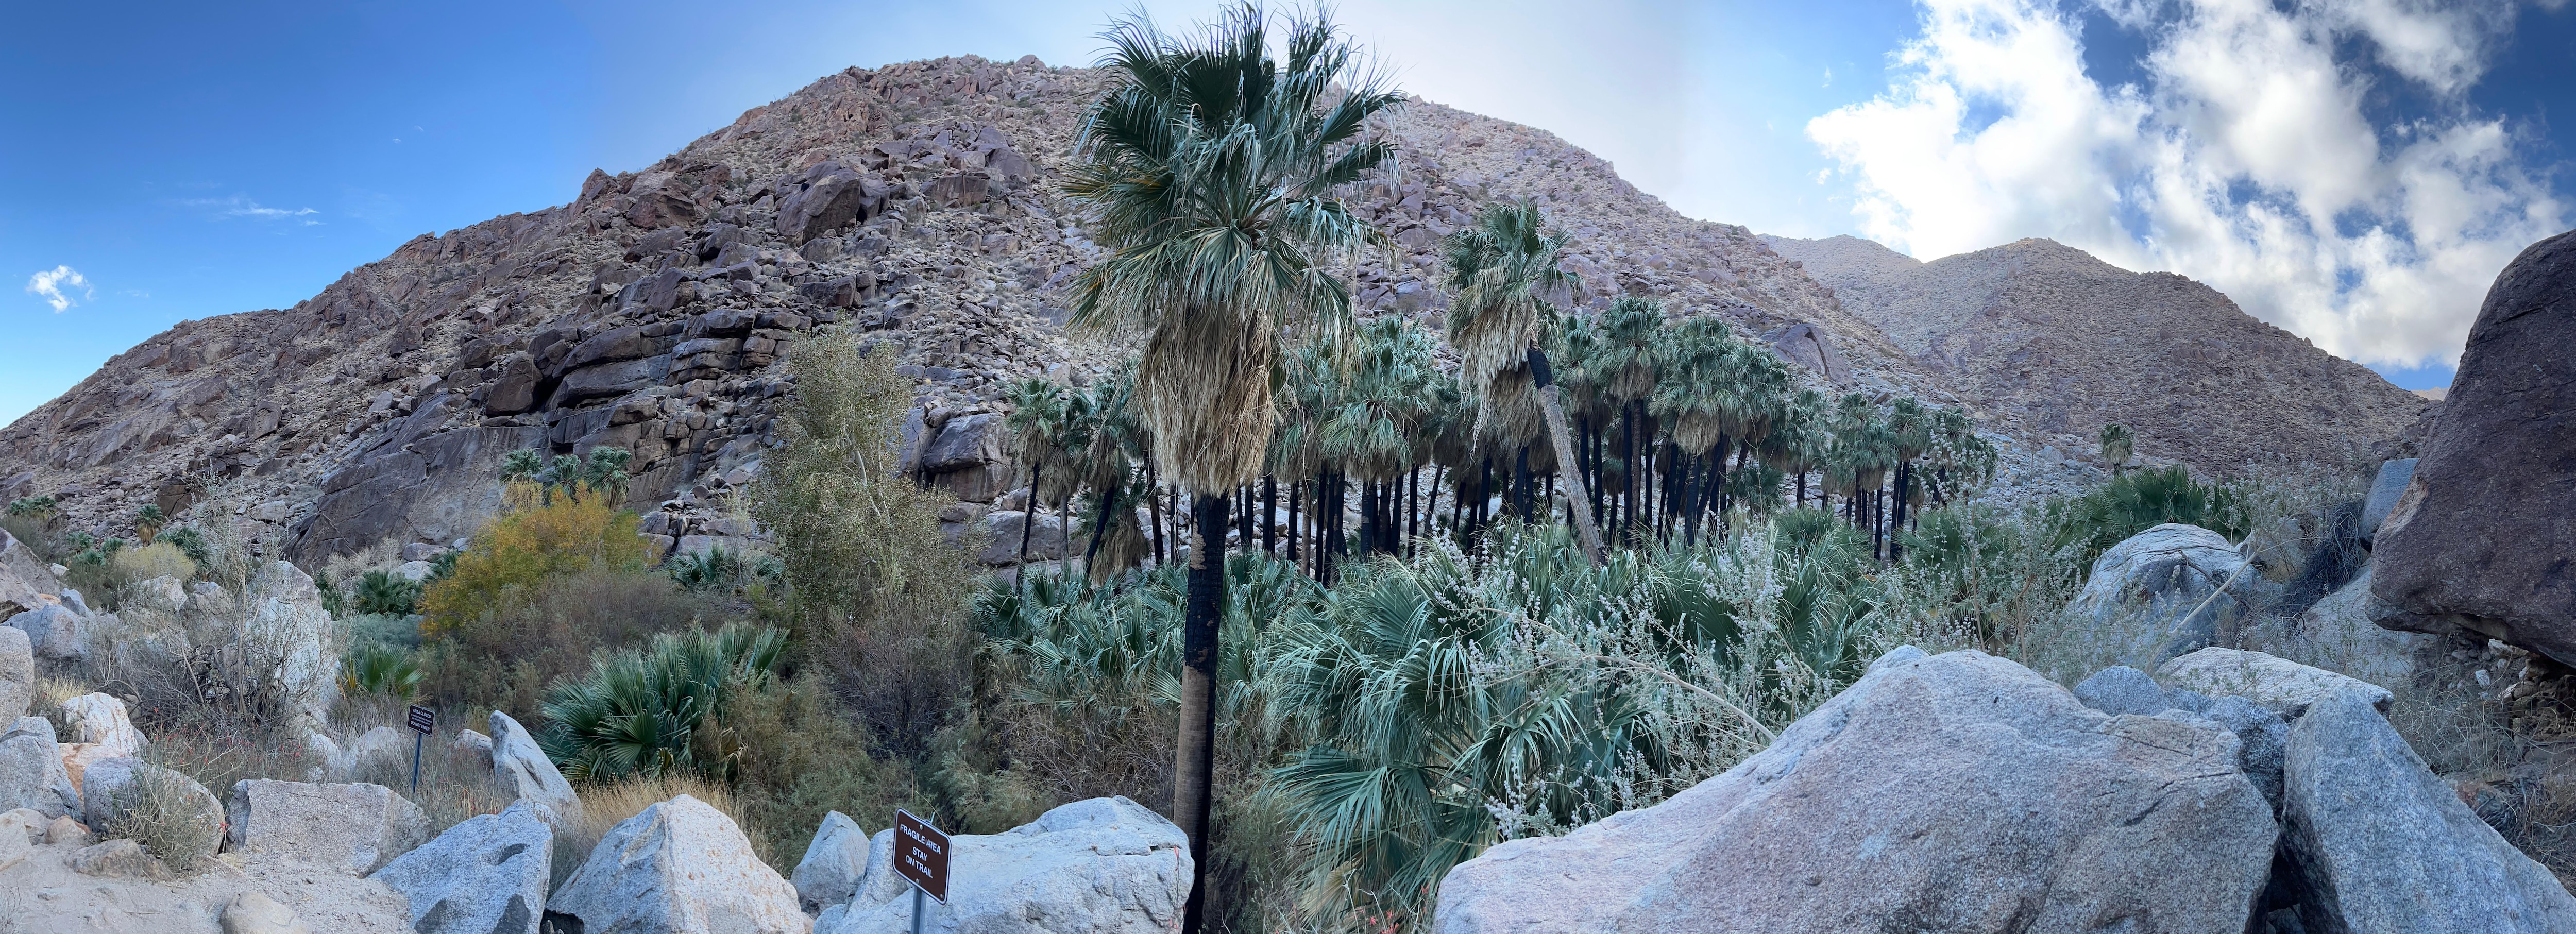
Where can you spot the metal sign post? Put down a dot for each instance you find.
(423, 721)
(921, 855)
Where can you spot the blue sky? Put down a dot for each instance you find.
(2354, 170)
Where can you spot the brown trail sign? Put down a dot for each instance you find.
(921, 854)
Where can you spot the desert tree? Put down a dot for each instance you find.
(1213, 173)
(2118, 445)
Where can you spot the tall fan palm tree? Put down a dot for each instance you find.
(1214, 174)
(1956, 449)
(1909, 425)
(1037, 417)
(1503, 268)
(1800, 441)
(1630, 331)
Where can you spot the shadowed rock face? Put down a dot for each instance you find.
(2047, 335)
(2484, 539)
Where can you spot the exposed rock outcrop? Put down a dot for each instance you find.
(486, 875)
(681, 865)
(833, 864)
(522, 770)
(1102, 866)
(347, 828)
(1958, 792)
(2164, 592)
(2482, 543)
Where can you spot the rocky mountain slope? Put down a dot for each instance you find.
(2045, 335)
(914, 202)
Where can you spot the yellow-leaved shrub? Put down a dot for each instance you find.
(539, 538)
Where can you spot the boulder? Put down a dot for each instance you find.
(1958, 792)
(1090, 867)
(523, 771)
(55, 633)
(32, 774)
(2385, 488)
(108, 788)
(17, 673)
(825, 197)
(66, 831)
(100, 718)
(1002, 530)
(829, 874)
(2479, 543)
(351, 829)
(2166, 591)
(964, 441)
(486, 875)
(474, 748)
(377, 745)
(25, 582)
(2336, 634)
(25, 823)
(2378, 844)
(287, 621)
(680, 865)
(1810, 346)
(117, 859)
(159, 595)
(2277, 684)
(254, 913)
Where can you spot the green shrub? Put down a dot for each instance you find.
(386, 592)
(507, 656)
(2136, 502)
(190, 542)
(158, 559)
(375, 671)
(659, 710)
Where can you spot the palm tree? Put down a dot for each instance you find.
(1503, 268)
(1910, 426)
(1956, 448)
(1213, 172)
(1625, 366)
(1800, 442)
(1037, 415)
(2118, 445)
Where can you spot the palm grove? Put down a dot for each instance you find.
(1262, 412)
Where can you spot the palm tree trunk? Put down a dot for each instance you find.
(1195, 771)
(1154, 510)
(1100, 526)
(1551, 406)
(1029, 510)
(1269, 516)
(1896, 549)
(1295, 514)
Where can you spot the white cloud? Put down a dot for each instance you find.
(2247, 161)
(56, 285)
(239, 206)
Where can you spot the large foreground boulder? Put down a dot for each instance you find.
(183, 812)
(2164, 592)
(680, 866)
(1102, 866)
(2381, 846)
(2337, 633)
(31, 771)
(2483, 540)
(351, 829)
(484, 876)
(1949, 793)
(287, 622)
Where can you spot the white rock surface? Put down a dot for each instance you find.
(1952, 793)
(829, 874)
(487, 875)
(100, 719)
(344, 828)
(57, 632)
(1090, 867)
(104, 788)
(680, 865)
(287, 621)
(2278, 684)
(2336, 632)
(522, 769)
(254, 913)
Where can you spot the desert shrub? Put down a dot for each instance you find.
(528, 545)
(384, 592)
(190, 542)
(717, 570)
(802, 756)
(2133, 503)
(381, 629)
(506, 657)
(453, 785)
(874, 588)
(158, 810)
(158, 559)
(661, 709)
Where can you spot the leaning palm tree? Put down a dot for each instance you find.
(1503, 268)
(2118, 445)
(1213, 174)
(1037, 416)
